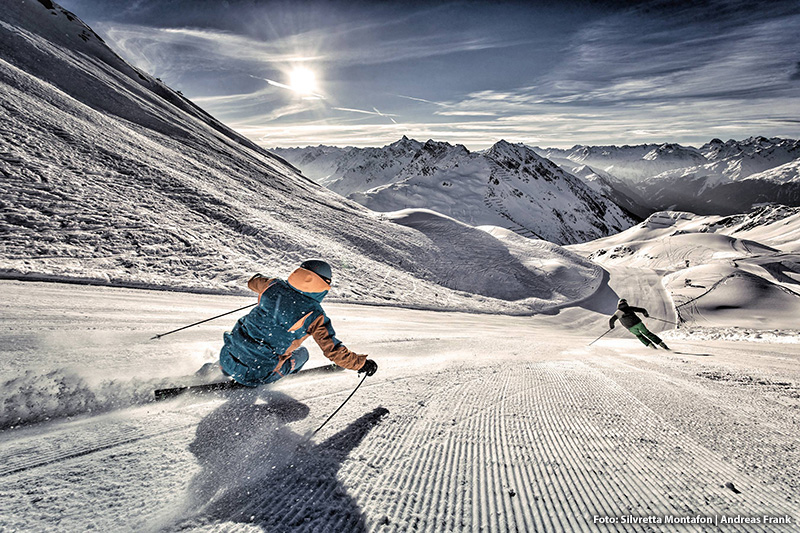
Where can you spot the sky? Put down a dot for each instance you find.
(551, 74)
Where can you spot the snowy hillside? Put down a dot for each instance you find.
(720, 271)
(109, 176)
(507, 185)
(783, 174)
(607, 186)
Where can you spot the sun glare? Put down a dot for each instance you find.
(303, 81)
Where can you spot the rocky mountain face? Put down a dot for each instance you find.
(508, 185)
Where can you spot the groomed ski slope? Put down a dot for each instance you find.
(473, 422)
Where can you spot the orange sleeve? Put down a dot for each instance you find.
(322, 331)
(259, 283)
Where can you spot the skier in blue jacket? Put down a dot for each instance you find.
(265, 344)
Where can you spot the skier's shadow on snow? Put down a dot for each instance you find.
(257, 471)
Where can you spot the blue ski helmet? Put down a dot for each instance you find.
(320, 268)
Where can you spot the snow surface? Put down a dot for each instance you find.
(786, 173)
(720, 271)
(472, 422)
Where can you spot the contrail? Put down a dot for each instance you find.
(284, 86)
(375, 112)
(385, 115)
(422, 100)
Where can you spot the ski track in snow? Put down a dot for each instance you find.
(465, 427)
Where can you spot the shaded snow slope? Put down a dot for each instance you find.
(607, 186)
(786, 173)
(500, 264)
(722, 296)
(110, 177)
(507, 185)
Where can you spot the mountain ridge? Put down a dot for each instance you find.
(508, 185)
(722, 177)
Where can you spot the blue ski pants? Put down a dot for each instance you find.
(266, 373)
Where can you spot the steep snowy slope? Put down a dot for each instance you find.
(507, 185)
(111, 177)
(783, 174)
(607, 186)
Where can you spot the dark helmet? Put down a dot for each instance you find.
(320, 268)
(622, 302)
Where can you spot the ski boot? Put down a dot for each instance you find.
(209, 373)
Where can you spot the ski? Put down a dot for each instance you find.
(165, 394)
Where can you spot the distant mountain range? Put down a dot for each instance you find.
(717, 178)
(508, 185)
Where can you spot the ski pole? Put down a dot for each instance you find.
(600, 337)
(201, 322)
(662, 320)
(337, 410)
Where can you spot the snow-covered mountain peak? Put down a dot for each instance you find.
(752, 147)
(521, 158)
(673, 151)
(504, 150)
(632, 163)
(439, 148)
(507, 185)
(404, 145)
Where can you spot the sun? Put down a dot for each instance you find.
(303, 81)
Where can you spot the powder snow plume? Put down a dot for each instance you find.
(32, 397)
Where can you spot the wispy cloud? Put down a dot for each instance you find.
(639, 76)
(662, 71)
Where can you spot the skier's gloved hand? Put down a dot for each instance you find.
(646, 314)
(612, 326)
(369, 368)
